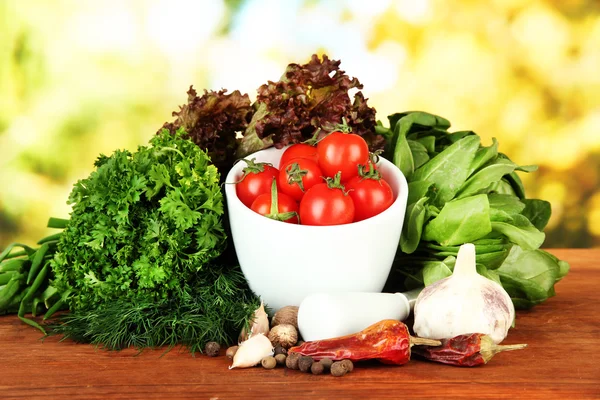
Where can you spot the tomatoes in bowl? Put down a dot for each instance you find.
(371, 196)
(299, 150)
(285, 208)
(327, 204)
(342, 152)
(298, 176)
(256, 180)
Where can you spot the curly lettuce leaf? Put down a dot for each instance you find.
(307, 98)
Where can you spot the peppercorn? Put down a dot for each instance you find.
(326, 362)
(348, 364)
(268, 362)
(212, 349)
(280, 358)
(280, 350)
(317, 368)
(231, 352)
(292, 360)
(338, 369)
(304, 363)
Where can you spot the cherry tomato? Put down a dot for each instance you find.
(342, 152)
(298, 176)
(285, 204)
(370, 196)
(300, 150)
(324, 205)
(257, 179)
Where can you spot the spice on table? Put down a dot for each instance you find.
(212, 349)
(304, 363)
(317, 368)
(280, 350)
(338, 369)
(284, 335)
(387, 341)
(326, 362)
(230, 353)
(348, 364)
(465, 350)
(280, 358)
(286, 315)
(268, 362)
(292, 361)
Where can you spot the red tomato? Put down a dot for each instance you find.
(370, 196)
(257, 180)
(342, 152)
(322, 205)
(299, 175)
(300, 150)
(285, 204)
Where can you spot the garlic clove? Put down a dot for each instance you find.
(252, 351)
(260, 324)
(464, 303)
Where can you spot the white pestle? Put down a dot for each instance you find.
(329, 315)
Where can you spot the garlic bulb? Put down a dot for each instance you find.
(260, 324)
(252, 351)
(463, 303)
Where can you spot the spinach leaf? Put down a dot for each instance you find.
(403, 158)
(412, 228)
(538, 212)
(460, 221)
(448, 169)
(517, 184)
(419, 118)
(427, 141)
(532, 265)
(418, 189)
(506, 202)
(503, 187)
(483, 156)
(486, 176)
(419, 153)
(433, 271)
(491, 275)
(520, 231)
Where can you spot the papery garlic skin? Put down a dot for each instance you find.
(260, 324)
(464, 303)
(252, 351)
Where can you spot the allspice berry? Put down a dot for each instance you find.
(317, 368)
(280, 358)
(338, 369)
(284, 335)
(304, 363)
(280, 350)
(292, 361)
(348, 364)
(212, 349)
(268, 362)
(231, 352)
(286, 315)
(326, 362)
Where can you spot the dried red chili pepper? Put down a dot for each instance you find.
(387, 341)
(468, 350)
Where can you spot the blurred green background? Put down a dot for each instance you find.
(79, 78)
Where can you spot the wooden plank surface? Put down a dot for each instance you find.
(562, 361)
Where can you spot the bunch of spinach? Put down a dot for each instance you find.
(459, 192)
(140, 261)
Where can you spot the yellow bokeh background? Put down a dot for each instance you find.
(80, 78)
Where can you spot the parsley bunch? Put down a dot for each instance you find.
(143, 225)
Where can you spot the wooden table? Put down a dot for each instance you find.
(562, 361)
